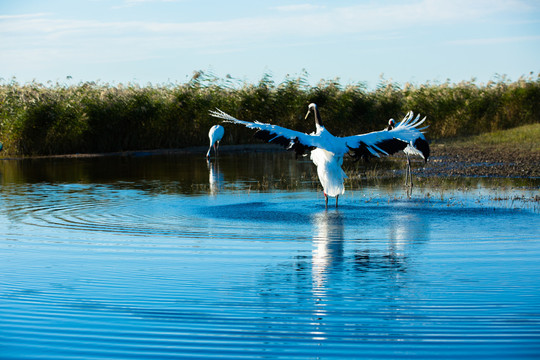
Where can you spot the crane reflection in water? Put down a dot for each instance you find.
(215, 176)
(352, 263)
(360, 268)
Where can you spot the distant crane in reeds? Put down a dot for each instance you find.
(419, 147)
(327, 151)
(215, 135)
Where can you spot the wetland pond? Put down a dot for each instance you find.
(168, 257)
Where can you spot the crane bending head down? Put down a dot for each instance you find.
(215, 135)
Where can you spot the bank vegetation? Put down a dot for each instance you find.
(89, 117)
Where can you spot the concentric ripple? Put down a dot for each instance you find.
(97, 271)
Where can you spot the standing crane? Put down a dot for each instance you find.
(419, 147)
(215, 135)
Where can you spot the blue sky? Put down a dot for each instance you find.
(165, 41)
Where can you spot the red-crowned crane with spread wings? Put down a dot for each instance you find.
(327, 151)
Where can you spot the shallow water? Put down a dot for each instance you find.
(167, 257)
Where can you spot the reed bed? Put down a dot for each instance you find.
(90, 117)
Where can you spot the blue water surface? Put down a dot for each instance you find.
(169, 258)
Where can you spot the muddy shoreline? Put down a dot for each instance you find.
(485, 161)
(445, 159)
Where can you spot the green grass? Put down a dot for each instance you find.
(525, 137)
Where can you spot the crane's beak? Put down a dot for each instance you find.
(307, 115)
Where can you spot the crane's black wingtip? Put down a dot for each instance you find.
(423, 146)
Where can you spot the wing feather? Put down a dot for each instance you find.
(388, 142)
(374, 144)
(298, 141)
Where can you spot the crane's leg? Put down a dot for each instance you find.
(410, 172)
(216, 148)
(406, 174)
(337, 196)
(325, 200)
(407, 171)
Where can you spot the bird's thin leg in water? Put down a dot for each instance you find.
(410, 172)
(337, 196)
(407, 168)
(406, 174)
(325, 200)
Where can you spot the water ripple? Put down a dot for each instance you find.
(103, 272)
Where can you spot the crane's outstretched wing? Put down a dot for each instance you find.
(298, 141)
(419, 145)
(409, 122)
(387, 142)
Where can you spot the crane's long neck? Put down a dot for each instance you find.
(318, 120)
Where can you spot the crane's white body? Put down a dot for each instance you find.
(328, 157)
(215, 135)
(327, 151)
(329, 170)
